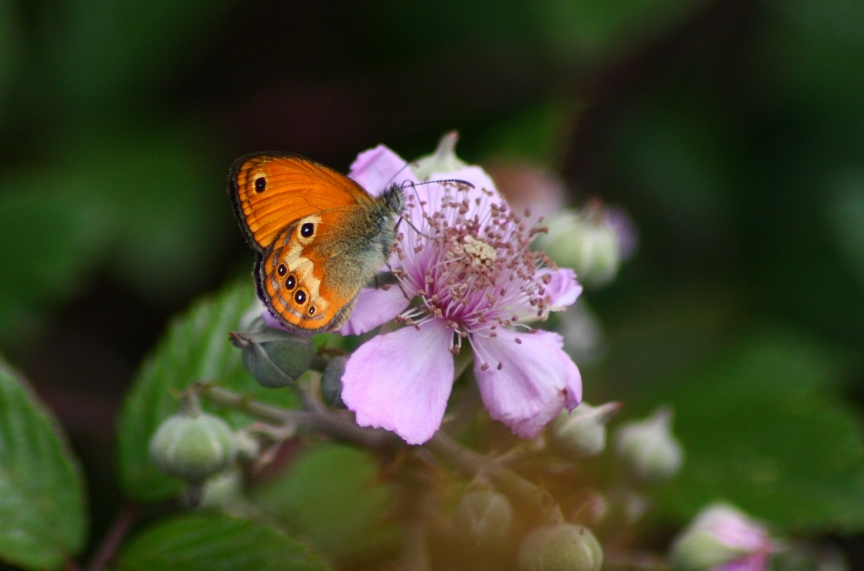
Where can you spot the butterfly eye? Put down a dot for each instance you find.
(290, 282)
(307, 230)
(260, 184)
(281, 270)
(300, 297)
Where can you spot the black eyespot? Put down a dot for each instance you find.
(281, 269)
(260, 184)
(290, 282)
(312, 310)
(307, 229)
(300, 297)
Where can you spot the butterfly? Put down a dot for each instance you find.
(318, 235)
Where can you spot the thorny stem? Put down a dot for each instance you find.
(325, 422)
(343, 428)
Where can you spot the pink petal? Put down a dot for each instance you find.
(401, 381)
(527, 382)
(476, 176)
(379, 167)
(478, 198)
(375, 306)
(563, 289)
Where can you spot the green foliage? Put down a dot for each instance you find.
(216, 543)
(590, 30)
(329, 494)
(99, 50)
(51, 235)
(763, 427)
(535, 134)
(196, 348)
(42, 504)
(164, 195)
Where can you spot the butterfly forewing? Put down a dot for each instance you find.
(272, 191)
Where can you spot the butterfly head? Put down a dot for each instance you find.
(394, 199)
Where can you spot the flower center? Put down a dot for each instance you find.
(474, 271)
(478, 253)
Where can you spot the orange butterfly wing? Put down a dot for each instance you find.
(319, 236)
(270, 191)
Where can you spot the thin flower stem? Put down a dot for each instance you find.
(419, 506)
(509, 481)
(326, 422)
(116, 534)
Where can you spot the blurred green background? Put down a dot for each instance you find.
(732, 131)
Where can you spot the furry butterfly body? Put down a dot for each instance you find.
(318, 236)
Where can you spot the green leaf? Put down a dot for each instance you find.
(196, 348)
(52, 234)
(764, 429)
(212, 543)
(172, 215)
(41, 492)
(329, 495)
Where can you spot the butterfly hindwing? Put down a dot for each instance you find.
(311, 275)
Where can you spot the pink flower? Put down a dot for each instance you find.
(722, 538)
(467, 262)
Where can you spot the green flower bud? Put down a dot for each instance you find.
(581, 433)
(193, 447)
(483, 518)
(443, 160)
(567, 547)
(331, 381)
(273, 356)
(584, 240)
(223, 491)
(648, 449)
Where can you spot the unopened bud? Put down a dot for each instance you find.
(585, 240)
(567, 547)
(582, 432)
(648, 449)
(222, 491)
(331, 381)
(721, 535)
(483, 518)
(274, 357)
(443, 160)
(193, 446)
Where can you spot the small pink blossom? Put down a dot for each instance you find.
(722, 538)
(467, 261)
